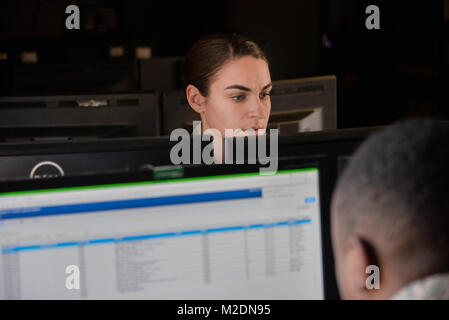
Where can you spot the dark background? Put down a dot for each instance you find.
(383, 75)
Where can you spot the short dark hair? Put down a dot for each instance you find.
(397, 183)
(211, 52)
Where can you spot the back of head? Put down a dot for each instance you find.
(395, 194)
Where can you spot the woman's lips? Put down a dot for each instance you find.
(249, 132)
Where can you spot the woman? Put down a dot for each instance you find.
(228, 83)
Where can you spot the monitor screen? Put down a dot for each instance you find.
(227, 236)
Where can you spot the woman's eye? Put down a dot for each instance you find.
(238, 98)
(265, 94)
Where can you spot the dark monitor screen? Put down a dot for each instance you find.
(82, 116)
(50, 159)
(337, 145)
(44, 159)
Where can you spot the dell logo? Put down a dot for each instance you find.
(46, 169)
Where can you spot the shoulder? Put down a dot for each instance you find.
(435, 287)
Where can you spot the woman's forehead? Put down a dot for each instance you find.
(249, 72)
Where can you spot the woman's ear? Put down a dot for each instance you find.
(195, 98)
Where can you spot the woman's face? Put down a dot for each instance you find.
(239, 97)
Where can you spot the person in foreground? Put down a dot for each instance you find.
(390, 209)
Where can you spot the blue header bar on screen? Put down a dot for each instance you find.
(129, 203)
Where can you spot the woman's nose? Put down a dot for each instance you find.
(258, 109)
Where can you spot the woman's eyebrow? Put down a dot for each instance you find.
(236, 86)
(267, 86)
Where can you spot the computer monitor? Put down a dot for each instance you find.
(83, 116)
(304, 104)
(217, 233)
(46, 159)
(337, 145)
(41, 159)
